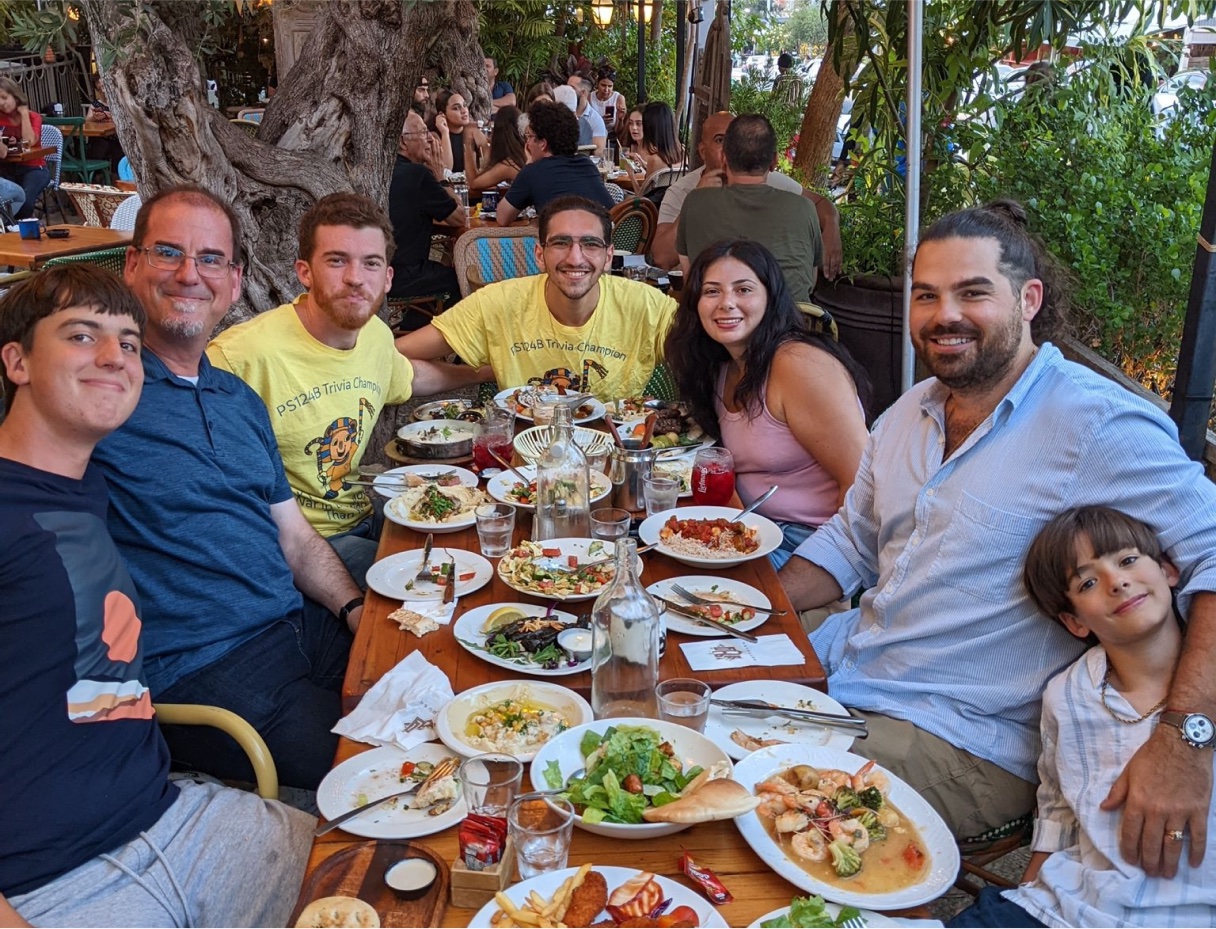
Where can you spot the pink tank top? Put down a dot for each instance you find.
(767, 453)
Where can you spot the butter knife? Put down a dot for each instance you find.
(449, 589)
(706, 621)
(763, 708)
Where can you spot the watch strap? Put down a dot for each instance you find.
(1177, 719)
(344, 613)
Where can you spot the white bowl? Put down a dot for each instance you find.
(691, 747)
(769, 536)
(532, 443)
(450, 721)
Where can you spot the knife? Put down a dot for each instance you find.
(449, 589)
(706, 621)
(335, 823)
(762, 708)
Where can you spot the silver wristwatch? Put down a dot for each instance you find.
(1197, 730)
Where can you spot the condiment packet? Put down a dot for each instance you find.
(401, 707)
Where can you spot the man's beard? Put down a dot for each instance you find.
(994, 354)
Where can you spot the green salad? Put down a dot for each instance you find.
(810, 911)
(629, 768)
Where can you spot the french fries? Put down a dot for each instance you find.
(537, 911)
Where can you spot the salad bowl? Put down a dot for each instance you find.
(562, 756)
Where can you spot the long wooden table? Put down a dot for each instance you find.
(33, 253)
(379, 645)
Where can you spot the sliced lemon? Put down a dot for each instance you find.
(503, 616)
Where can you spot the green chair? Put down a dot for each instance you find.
(112, 259)
(79, 163)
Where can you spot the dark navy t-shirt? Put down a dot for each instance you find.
(415, 203)
(82, 763)
(558, 176)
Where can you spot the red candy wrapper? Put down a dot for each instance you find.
(481, 840)
(714, 888)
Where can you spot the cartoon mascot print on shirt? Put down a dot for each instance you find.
(336, 450)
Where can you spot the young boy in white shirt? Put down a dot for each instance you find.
(1103, 575)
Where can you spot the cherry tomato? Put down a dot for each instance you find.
(408, 768)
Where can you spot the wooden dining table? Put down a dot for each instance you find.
(33, 253)
(30, 154)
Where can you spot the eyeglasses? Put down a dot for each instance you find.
(414, 135)
(168, 258)
(591, 245)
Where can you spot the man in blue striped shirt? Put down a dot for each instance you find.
(946, 652)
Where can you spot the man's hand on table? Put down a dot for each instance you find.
(1167, 786)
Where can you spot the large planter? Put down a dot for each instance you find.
(869, 314)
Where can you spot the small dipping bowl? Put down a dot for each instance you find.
(411, 878)
(577, 642)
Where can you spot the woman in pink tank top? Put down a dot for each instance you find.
(786, 401)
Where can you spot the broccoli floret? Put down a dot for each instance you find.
(845, 859)
(869, 819)
(871, 798)
(846, 799)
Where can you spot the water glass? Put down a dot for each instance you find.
(684, 701)
(490, 782)
(713, 477)
(610, 523)
(542, 410)
(541, 828)
(597, 461)
(662, 491)
(495, 525)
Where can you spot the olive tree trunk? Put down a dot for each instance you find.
(818, 130)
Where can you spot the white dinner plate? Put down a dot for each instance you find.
(869, 919)
(769, 534)
(566, 548)
(389, 576)
(500, 486)
(679, 467)
(385, 486)
(939, 843)
(398, 516)
(450, 722)
(546, 885)
(721, 724)
(744, 595)
(467, 630)
(376, 774)
(503, 400)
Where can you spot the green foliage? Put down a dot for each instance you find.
(753, 94)
(806, 29)
(521, 36)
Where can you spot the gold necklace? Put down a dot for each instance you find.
(1124, 719)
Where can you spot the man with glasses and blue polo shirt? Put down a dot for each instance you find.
(571, 324)
(245, 605)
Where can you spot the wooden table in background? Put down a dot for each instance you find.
(93, 129)
(33, 253)
(32, 154)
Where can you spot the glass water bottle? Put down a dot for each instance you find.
(563, 485)
(625, 644)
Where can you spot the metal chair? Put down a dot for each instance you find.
(96, 203)
(52, 137)
(190, 714)
(80, 163)
(633, 225)
(491, 254)
(124, 216)
(112, 259)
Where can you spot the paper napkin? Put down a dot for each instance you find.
(766, 652)
(401, 707)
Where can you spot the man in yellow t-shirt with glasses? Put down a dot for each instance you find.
(570, 325)
(325, 367)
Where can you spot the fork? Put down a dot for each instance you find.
(443, 769)
(703, 601)
(424, 573)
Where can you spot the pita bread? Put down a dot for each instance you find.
(410, 621)
(713, 800)
(339, 912)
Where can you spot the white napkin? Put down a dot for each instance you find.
(441, 613)
(401, 707)
(765, 652)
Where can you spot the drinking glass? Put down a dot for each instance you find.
(542, 410)
(540, 827)
(662, 491)
(713, 477)
(495, 524)
(597, 461)
(610, 523)
(496, 432)
(684, 701)
(490, 782)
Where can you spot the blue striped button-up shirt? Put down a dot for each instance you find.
(946, 636)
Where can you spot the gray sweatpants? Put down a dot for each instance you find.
(218, 857)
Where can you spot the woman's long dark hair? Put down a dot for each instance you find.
(695, 360)
(659, 132)
(506, 144)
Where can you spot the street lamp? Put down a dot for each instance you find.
(601, 12)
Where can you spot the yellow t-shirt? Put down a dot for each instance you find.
(508, 326)
(323, 404)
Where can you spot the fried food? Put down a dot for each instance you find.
(587, 901)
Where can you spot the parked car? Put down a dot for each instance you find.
(1165, 100)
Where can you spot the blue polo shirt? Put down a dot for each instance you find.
(192, 475)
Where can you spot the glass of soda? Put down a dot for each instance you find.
(713, 477)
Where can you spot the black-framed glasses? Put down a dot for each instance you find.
(168, 258)
(590, 244)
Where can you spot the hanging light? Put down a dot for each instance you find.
(601, 11)
(647, 9)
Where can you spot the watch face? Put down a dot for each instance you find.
(1198, 728)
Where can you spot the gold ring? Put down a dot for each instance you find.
(1176, 834)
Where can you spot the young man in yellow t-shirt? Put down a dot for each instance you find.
(325, 367)
(570, 325)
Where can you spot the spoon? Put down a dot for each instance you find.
(755, 504)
